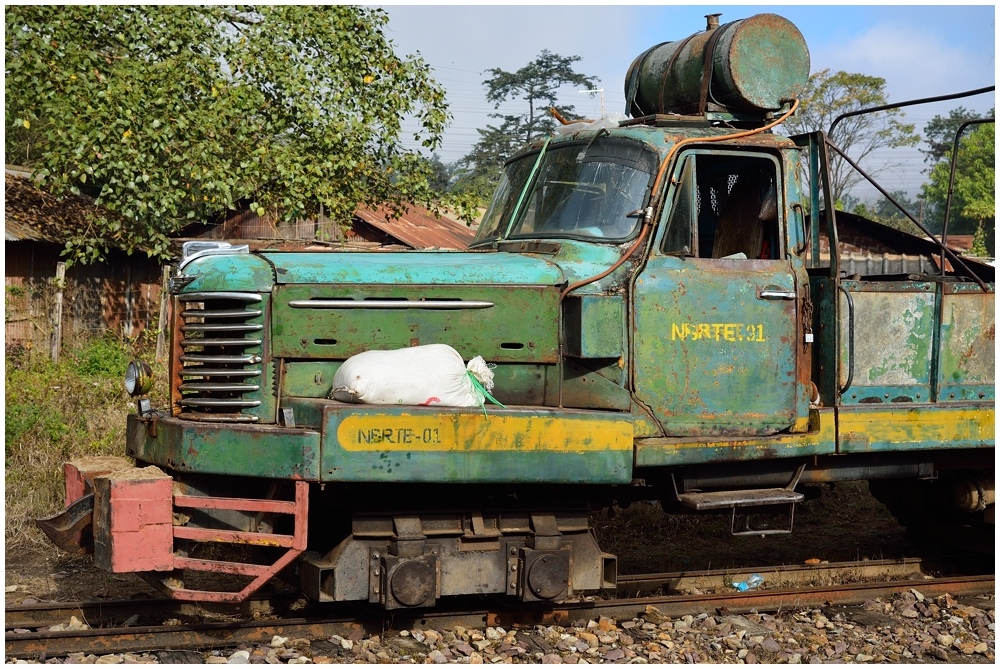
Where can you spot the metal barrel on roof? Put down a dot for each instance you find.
(751, 65)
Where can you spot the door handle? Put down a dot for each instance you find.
(773, 294)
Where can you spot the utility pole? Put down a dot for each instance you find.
(601, 91)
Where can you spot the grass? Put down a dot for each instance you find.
(55, 412)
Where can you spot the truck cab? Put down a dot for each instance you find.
(707, 328)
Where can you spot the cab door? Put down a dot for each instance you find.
(717, 343)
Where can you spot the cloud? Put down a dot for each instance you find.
(463, 42)
(914, 63)
(920, 51)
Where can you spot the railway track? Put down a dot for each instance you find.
(115, 626)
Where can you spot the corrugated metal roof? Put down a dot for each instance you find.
(14, 170)
(884, 264)
(15, 231)
(31, 214)
(419, 228)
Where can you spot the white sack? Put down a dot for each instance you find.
(433, 374)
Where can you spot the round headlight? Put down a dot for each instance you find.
(138, 378)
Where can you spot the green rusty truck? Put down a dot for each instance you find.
(672, 310)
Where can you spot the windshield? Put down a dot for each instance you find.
(593, 191)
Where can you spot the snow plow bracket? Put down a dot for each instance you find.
(294, 543)
(72, 528)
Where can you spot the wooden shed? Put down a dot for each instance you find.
(120, 295)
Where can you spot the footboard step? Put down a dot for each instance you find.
(726, 499)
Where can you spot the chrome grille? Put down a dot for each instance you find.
(221, 364)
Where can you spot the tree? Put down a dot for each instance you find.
(827, 96)
(171, 114)
(939, 133)
(973, 201)
(445, 195)
(537, 83)
(885, 212)
(440, 174)
(480, 168)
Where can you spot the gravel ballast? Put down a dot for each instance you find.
(908, 628)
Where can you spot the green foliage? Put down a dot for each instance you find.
(450, 192)
(973, 200)
(826, 97)
(26, 412)
(980, 249)
(52, 398)
(480, 168)
(440, 175)
(12, 295)
(170, 114)
(939, 133)
(465, 205)
(103, 358)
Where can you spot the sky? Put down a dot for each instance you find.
(920, 50)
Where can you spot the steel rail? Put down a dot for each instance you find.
(111, 613)
(229, 634)
(787, 576)
(750, 601)
(117, 613)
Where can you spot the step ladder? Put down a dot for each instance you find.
(746, 499)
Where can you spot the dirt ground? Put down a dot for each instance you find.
(845, 523)
(36, 573)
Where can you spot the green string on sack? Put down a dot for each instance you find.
(483, 392)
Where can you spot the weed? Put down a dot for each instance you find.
(55, 412)
(103, 357)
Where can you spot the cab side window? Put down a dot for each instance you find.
(726, 206)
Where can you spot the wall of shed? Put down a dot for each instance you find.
(248, 225)
(121, 295)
